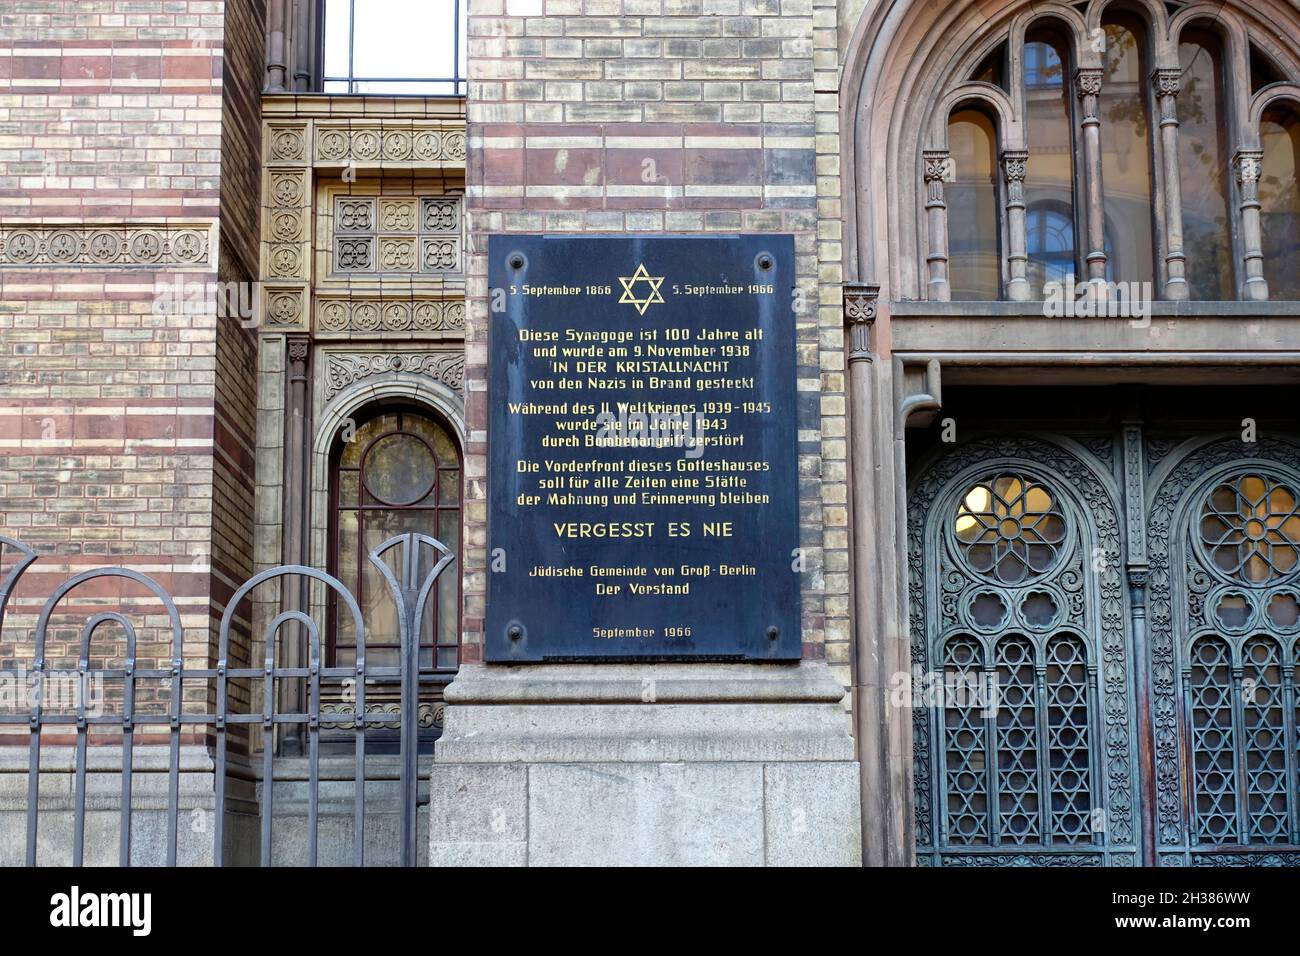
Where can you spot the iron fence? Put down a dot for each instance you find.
(418, 561)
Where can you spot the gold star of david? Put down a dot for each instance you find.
(651, 297)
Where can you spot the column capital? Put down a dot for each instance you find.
(859, 316)
(1166, 82)
(1014, 164)
(1087, 87)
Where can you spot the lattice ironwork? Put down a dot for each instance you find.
(1003, 585)
(1250, 527)
(966, 745)
(1019, 779)
(1009, 528)
(1069, 740)
(1213, 742)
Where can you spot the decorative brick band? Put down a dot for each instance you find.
(105, 246)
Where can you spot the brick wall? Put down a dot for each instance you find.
(682, 116)
(111, 126)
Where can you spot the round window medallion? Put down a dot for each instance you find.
(1009, 528)
(400, 470)
(1250, 529)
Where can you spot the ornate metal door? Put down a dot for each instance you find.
(1223, 532)
(1016, 591)
(1037, 566)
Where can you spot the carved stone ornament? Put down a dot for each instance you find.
(343, 369)
(106, 246)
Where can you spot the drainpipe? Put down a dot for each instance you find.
(899, 646)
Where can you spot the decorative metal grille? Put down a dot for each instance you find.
(1014, 608)
(1009, 528)
(1250, 527)
(1241, 726)
(410, 564)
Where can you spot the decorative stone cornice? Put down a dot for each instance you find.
(105, 245)
(344, 368)
(859, 316)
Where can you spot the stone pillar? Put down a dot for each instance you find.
(1247, 163)
(1088, 87)
(276, 47)
(294, 595)
(1014, 164)
(1165, 83)
(937, 170)
(869, 681)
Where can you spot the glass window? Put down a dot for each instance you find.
(1279, 201)
(392, 47)
(1126, 149)
(1203, 167)
(975, 264)
(1049, 173)
(400, 473)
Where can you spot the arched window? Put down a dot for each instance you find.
(1203, 157)
(1016, 743)
(1279, 200)
(399, 472)
(1117, 143)
(1126, 152)
(1049, 171)
(975, 262)
(1242, 663)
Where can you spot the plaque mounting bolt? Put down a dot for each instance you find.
(517, 260)
(773, 633)
(514, 632)
(764, 261)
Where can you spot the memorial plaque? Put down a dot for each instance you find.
(643, 490)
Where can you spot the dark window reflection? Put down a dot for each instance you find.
(1126, 149)
(1280, 202)
(1203, 166)
(1049, 174)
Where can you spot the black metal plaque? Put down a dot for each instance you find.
(643, 491)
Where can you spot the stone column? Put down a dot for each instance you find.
(1014, 164)
(294, 595)
(1166, 83)
(869, 678)
(1247, 163)
(1088, 87)
(276, 47)
(937, 170)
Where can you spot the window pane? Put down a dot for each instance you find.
(975, 266)
(395, 47)
(1126, 151)
(1049, 174)
(1202, 167)
(1280, 203)
(337, 28)
(404, 38)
